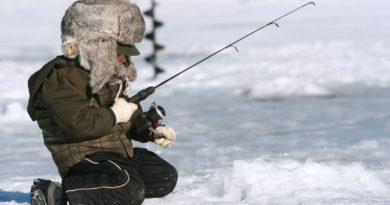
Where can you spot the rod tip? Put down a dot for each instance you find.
(312, 3)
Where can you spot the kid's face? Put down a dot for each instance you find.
(121, 58)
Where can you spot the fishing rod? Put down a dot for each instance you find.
(143, 94)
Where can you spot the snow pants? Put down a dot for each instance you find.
(107, 178)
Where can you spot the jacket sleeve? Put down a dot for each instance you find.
(65, 95)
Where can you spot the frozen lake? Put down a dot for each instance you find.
(298, 116)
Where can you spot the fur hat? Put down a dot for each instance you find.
(91, 30)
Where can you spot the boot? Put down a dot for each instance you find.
(46, 192)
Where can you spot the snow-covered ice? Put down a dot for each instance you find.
(298, 116)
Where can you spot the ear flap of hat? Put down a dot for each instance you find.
(99, 56)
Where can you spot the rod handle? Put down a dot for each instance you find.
(142, 95)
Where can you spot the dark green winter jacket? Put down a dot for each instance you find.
(74, 121)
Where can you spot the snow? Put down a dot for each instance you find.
(265, 181)
(299, 115)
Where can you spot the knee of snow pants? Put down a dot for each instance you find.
(159, 176)
(101, 179)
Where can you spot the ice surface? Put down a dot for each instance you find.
(264, 181)
(298, 116)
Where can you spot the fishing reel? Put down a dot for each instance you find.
(145, 125)
(155, 114)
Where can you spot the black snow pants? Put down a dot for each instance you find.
(105, 178)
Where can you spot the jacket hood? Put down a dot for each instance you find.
(36, 80)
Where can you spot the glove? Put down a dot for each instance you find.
(168, 136)
(123, 110)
